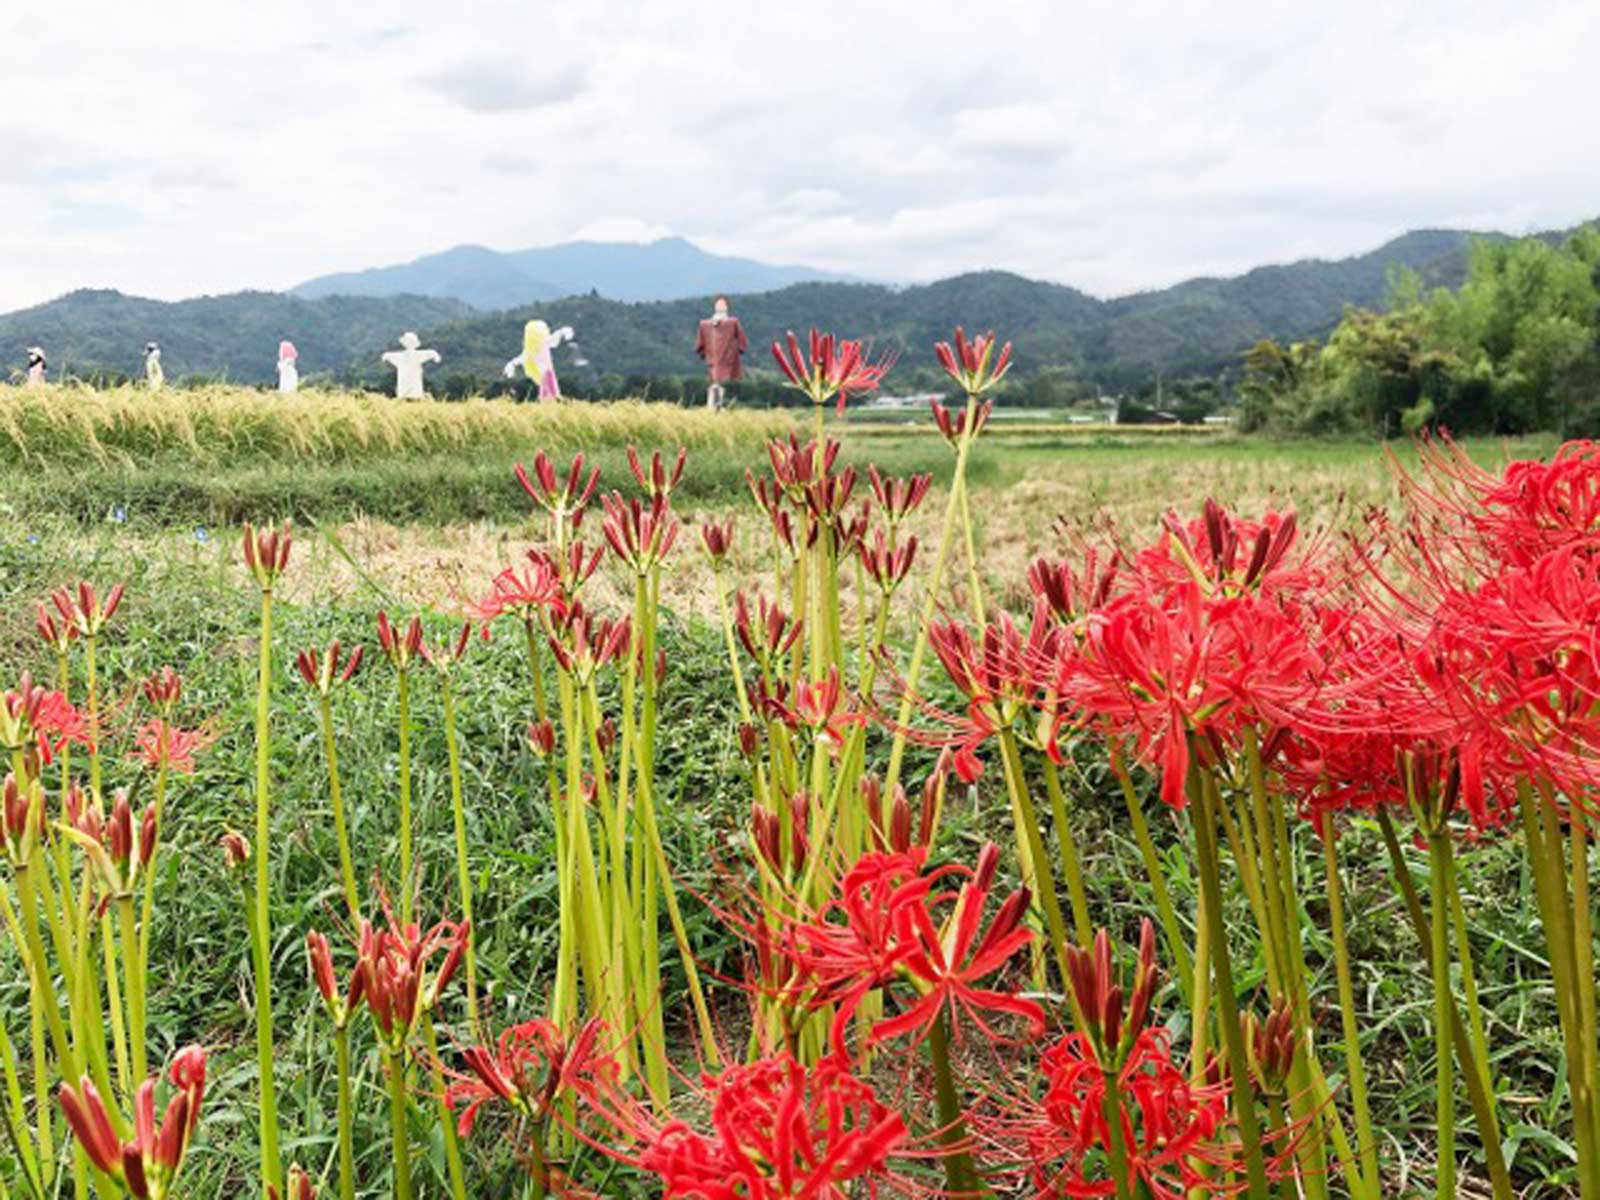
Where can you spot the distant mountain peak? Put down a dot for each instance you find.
(668, 268)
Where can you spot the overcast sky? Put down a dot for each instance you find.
(171, 148)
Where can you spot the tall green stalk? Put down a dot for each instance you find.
(261, 939)
(407, 884)
(1443, 1008)
(463, 869)
(1366, 1141)
(395, 1066)
(347, 1159)
(330, 750)
(961, 1177)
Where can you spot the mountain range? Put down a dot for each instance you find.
(1199, 325)
(665, 269)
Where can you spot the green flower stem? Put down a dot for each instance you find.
(961, 1177)
(347, 869)
(394, 1065)
(1157, 878)
(133, 978)
(1244, 1104)
(1036, 863)
(463, 869)
(447, 1124)
(114, 1009)
(1371, 1183)
(260, 937)
(974, 584)
(930, 601)
(1071, 864)
(347, 1158)
(1443, 1009)
(407, 884)
(1483, 1110)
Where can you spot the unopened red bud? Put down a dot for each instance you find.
(321, 960)
(542, 737)
(235, 850)
(147, 836)
(749, 739)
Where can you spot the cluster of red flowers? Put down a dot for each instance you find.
(147, 1163)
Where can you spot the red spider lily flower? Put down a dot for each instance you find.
(443, 656)
(657, 480)
(400, 647)
(1174, 1132)
(566, 500)
(21, 818)
(767, 635)
(321, 669)
(399, 988)
(524, 593)
(163, 689)
(825, 709)
(80, 608)
(235, 851)
(888, 565)
(147, 1164)
(529, 1068)
(849, 535)
(777, 1130)
(999, 674)
(160, 743)
(58, 635)
(833, 367)
(33, 716)
(960, 426)
(969, 363)
(266, 553)
(717, 538)
(947, 962)
(828, 495)
(897, 497)
(890, 827)
(640, 534)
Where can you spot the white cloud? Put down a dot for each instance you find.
(172, 148)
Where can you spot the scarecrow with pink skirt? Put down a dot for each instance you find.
(535, 360)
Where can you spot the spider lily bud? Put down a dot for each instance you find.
(266, 553)
(888, 566)
(148, 1164)
(321, 669)
(749, 739)
(640, 534)
(955, 429)
(563, 500)
(235, 850)
(717, 538)
(21, 818)
(542, 737)
(297, 1187)
(58, 635)
(968, 362)
(1270, 1045)
(401, 647)
(657, 480)
(164, 689)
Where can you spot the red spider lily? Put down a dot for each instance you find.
(849, 535)
(82, 611)
(833, 367)
(889, 828)
(898, 498)
(341, 1005)
(163, 689)
(21, 817)
(640, 534)
(148, 1163)
(961, 426)
(563, 500)
(36, 716)
(998, 674)
(824, 708)
(58, 635)
(778, 1130)
(888, 565)
(767, 635)
(717, 538)
(795, 467)
(398, 987)
(767, 830)
(529, 1068)
(443, 656)
(266, 553)
(827, 496)
(1111, 1018)
(321, 669)
(400, 646)
(969, 362)
(1270, 1045)
(658, 480)
(1174, 1132)
(1231, 555)
(542, 737)
(524, 593)
(160, 743)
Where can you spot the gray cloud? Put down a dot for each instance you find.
(492, 84)
(1112, 147)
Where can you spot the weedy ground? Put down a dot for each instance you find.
(422, 529)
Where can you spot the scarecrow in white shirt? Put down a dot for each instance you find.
(407, 363)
